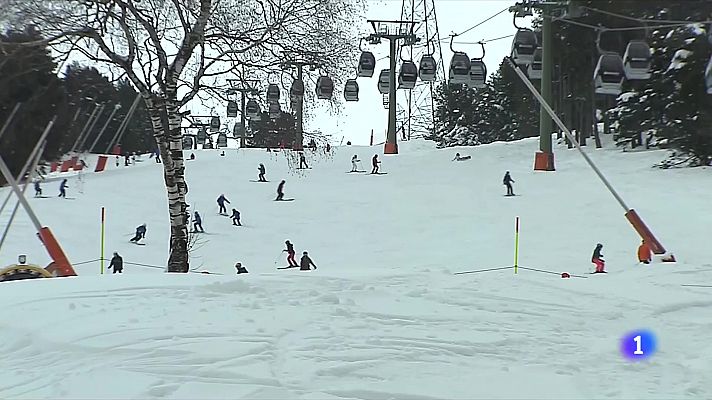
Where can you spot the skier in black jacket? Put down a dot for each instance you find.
(117, 263)
(140, 233)
(507, 181)
(235, 217)
(306, 262)
(221, 202)
(261, 177)
(280, 191)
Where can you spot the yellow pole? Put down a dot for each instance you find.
(102, 240)
(516, 245)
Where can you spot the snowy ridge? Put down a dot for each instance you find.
(383, 316)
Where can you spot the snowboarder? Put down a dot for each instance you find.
(375, 163)
(302, 161)
(644, 253)
(140, 234)
(261, 176)
(117, 160)
(117, 263)
(221, 202)
(280, 190)
(38, 189)
(290, 254)
(354, 163)
(236, 217)
(240, 269)
(63, 188)
(597, 259)
(507, 181)
(459, 158)
(222, 154)
(306, 262)
(197, 223)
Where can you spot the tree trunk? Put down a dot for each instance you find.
(165, 121)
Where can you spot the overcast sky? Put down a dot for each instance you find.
(357, 119)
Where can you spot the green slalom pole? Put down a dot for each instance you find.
(516, 245)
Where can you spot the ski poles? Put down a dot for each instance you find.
(277, 258)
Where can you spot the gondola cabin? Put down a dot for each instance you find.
(324, 88)
(478, 74)
(459, 68)
(272, 93)
(609, 74)
(408, 75)
(252, 109)
(523, 46)
(366, 64)
(351, 90)
(637, 60)
(384, 81)
(428, 68)
(534, 69)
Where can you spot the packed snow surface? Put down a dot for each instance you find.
(383, 316)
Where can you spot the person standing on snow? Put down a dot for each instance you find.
(63, 188)
(375, 163)
(38, 189)
(354, 163)
(597, 259)
(197, 223)
(507, 181)
(644, 253)
(240, 269)
(306, 262)
(302, 161)
(221, 202)
(290, 254)
(280, 190)
(140, 234)
(117, 263)
(235, 217)
(261, 176)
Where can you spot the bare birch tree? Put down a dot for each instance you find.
(175, 50)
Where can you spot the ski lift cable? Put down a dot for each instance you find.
(634, 28)
(474, 26)
(643, 20)
(486, 40)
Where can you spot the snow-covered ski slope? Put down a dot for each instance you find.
(383, 316)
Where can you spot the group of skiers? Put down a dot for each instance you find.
(305, 263)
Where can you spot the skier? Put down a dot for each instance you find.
(306, 262)
(140, 234)
(354, 165)
(158, 156)
(117, 263)
(126, 160)
(507, 181)
(375, 163)
(236, 217)
(459, 158)
(221, 202)
(38, 189)
(197, 223)
(192, 156)
(240, 269)
(302, 161)
(328, 148)
(597, 259)
(290, 254)
(644, 253)
(63, 188)
(261, 176)
(117, 160)
(280, 190)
